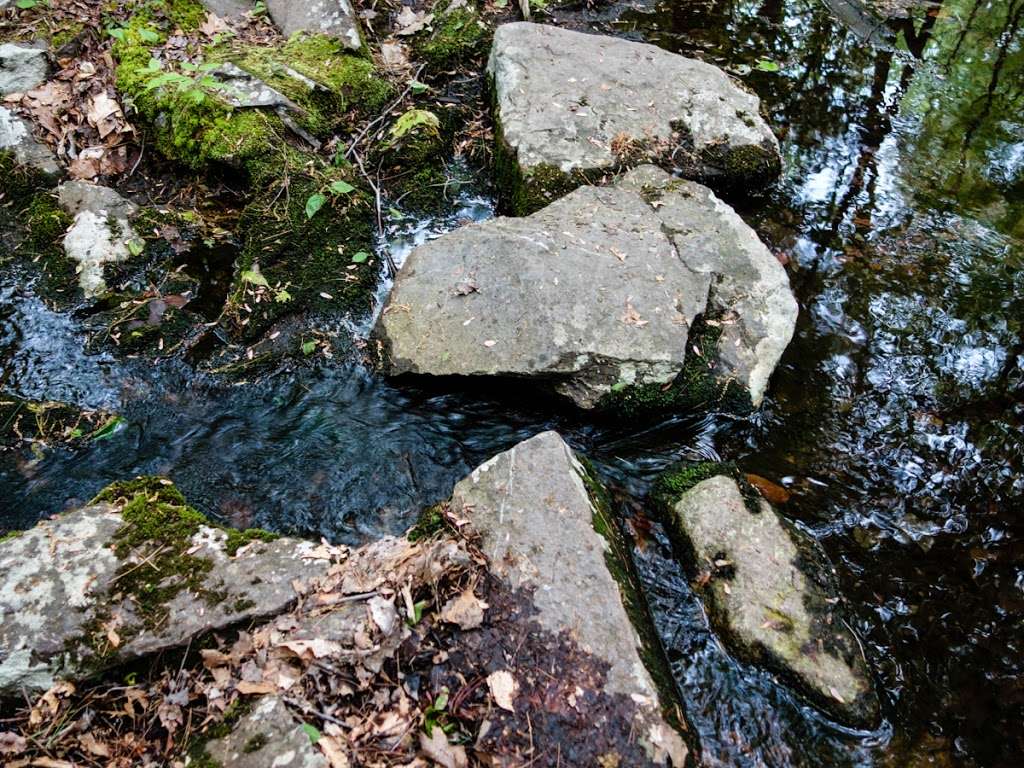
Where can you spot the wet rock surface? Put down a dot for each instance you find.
(21, 68)
(100, 233)
(568, 102)
(16, 137)
(60, 579)
(267, 737)
(329, 17)
(769, 595)
(594, 294)
(536, 518)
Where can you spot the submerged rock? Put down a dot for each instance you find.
(268, 737)
(100, 234)
(21, 68)
(16, 137)
(571, 106)
(329, 17)
(539, 526)
(596, 294)
(770, 596)
(86, 590)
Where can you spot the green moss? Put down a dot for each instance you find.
(696, 388)
(414, 159)
(255, 743)
(186, 14)
(47, 421)
(673, 483)
(238, 539)
(619, 561)
(430, 523)
(10, 535)
(346, 88)
(747, 163)
(458, 36)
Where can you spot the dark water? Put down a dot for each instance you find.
(896, 418)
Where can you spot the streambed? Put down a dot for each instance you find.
(894, 420)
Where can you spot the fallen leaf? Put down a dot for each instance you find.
(12, 743)
(317, 648)
(503, 689)
(249, 689)
(772, 492)
(436, 747)
(394, 56)
(213, 25)
(409, 22)
(94, 746)
(466, 610)
(384, 614)
(333, 751)
(632, 317)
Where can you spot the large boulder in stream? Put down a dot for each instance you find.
(769, 593)
(571, 106)
(543, 526)
(599, 295)
(130, 577)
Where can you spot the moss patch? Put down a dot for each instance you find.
(458, 36)
(696, 388)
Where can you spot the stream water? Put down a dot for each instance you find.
(896, 418)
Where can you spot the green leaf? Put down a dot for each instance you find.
(312, 732)
(153, 66)
(149, 36)
(116, 32)
(395, 213)
(26, 4)
(413, 119)
(501, 3)
(308, 347)
(766, 65)
(76, 433)
(282, 296)
(417, 87)
(359, 257)
(253, 276)
(342, 188)
(107, 430)
(441, 702)
(136, 246)
(315, 203)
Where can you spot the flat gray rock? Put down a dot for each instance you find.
(593, 294)
(328, 17)
(16, 137)
(59, 577)
(568, 101)
(21, 68)
(268, 737)
(77, 196)
(535, 518)
(769, 601)
(229, 9)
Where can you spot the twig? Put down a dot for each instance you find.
(383, 115)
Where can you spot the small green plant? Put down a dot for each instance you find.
(412, 119)
(436, 714)
(194, 84)
(317, 200)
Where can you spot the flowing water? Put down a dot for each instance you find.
(896, 418)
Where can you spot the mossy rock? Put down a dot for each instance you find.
(414, 156)
(32, 421)
(458, 36)
(698, 388)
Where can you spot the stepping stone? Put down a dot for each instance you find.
(327, 17)
(58, 583)
(571, 107)
(595, 294)
(536, 516)
(21, 68)
(769, 596)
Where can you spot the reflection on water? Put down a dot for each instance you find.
(897, 413)
(895, 419)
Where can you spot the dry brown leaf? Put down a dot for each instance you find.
(466, 610)
(773, 492)
(334, 752)
(317, 648)
(12, 743)
(503, 689)
(94, 746)
(213, 25)
(437, 748)
(249, 689)
(409, 22)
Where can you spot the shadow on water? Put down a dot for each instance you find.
(895, 418)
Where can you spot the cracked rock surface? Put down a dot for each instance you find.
(594, 293)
